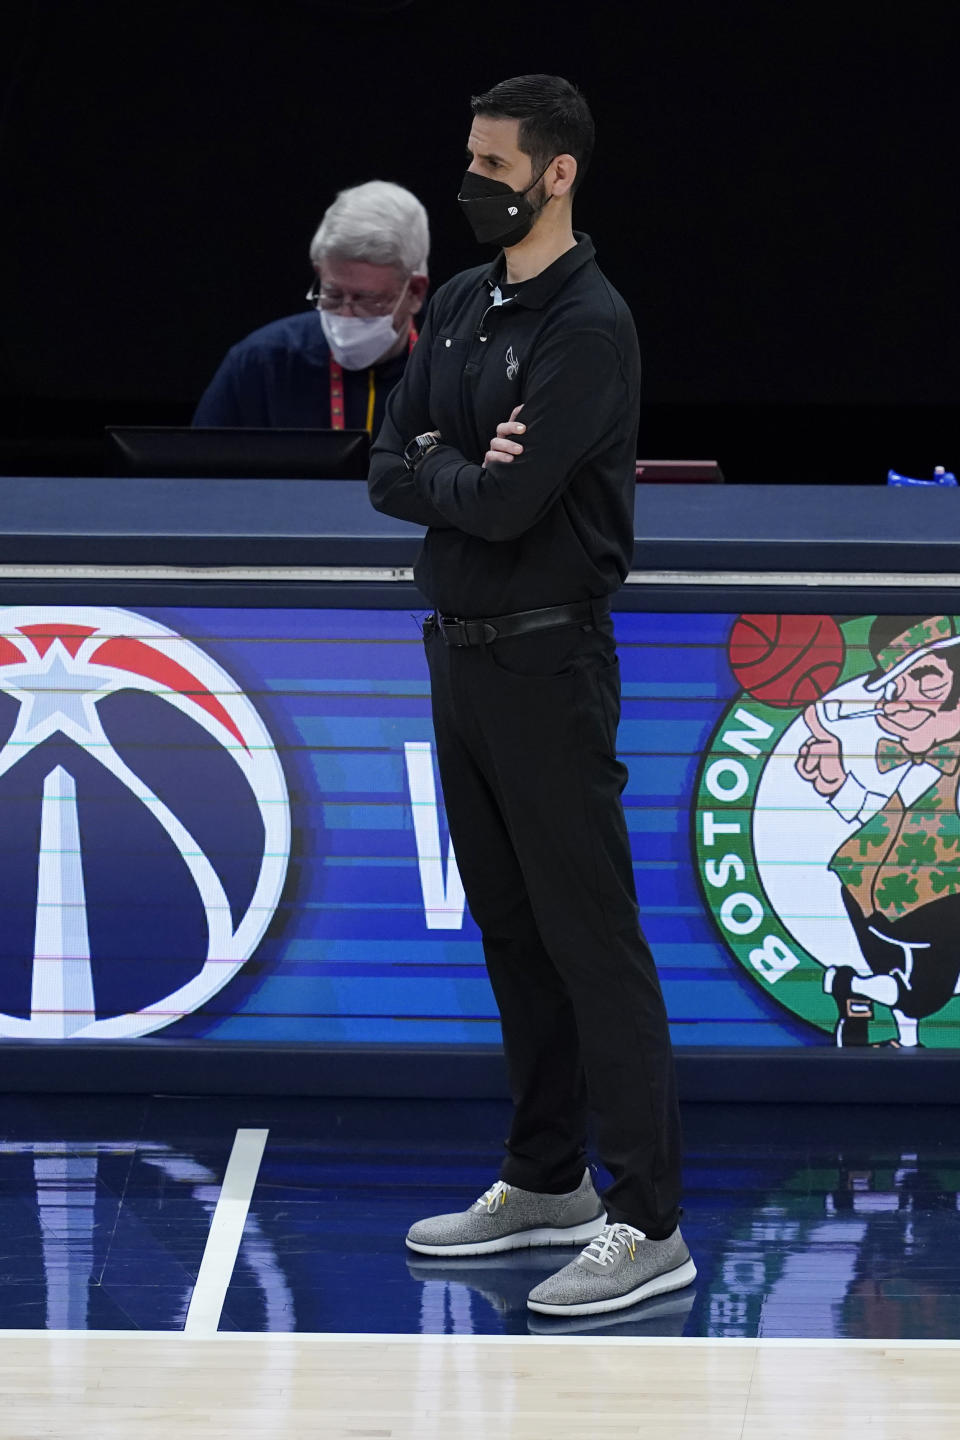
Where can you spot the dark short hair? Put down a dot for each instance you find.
(554, 118)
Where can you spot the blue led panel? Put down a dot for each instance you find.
(227, 823)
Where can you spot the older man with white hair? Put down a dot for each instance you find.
(333, 366)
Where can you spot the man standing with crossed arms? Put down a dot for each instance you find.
(512, 437)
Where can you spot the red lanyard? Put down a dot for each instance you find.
(336, 389)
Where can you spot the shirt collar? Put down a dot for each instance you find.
(536, 292)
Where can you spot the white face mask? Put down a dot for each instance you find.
(358, 341)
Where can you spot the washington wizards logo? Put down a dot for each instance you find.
(145, 824)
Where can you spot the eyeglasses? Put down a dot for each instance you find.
(363, 303)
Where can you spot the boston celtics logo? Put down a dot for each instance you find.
(827, 822)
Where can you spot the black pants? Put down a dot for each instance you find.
(925, 982)
(526, 738)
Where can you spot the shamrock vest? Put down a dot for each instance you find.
(904, 857)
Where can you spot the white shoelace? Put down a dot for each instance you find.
(612, 1239)
(496, 1195)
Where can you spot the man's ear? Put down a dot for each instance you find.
(564, 173)
(417, 292)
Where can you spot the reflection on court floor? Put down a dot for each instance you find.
(807, 1222)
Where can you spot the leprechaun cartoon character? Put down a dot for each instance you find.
(899, 867)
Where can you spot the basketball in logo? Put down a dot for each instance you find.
(786, 660)
(145, 823)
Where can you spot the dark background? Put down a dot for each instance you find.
(774, 192)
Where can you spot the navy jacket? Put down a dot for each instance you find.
(556, 524)
(280, 377)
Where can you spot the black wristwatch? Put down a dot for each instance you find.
(418, 447)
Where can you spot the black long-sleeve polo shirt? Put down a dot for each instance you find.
(556, 523)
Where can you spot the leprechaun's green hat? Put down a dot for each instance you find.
(897, 642)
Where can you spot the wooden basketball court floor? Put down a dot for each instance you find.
(251, 1281)
(126, 1384)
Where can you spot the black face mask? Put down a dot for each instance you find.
(497, 214)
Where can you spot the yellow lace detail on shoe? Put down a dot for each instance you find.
(495, 1196)
(611, 1240)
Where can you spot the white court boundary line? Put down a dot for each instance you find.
(639, 1342)
(223, 1240)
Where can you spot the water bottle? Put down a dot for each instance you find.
(940, 477)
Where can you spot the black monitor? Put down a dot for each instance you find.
(241, 454)
(679, 472)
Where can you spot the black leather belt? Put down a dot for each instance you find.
(459, 631)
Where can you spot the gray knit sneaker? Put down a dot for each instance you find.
(508, 1218)
(619, 1268)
